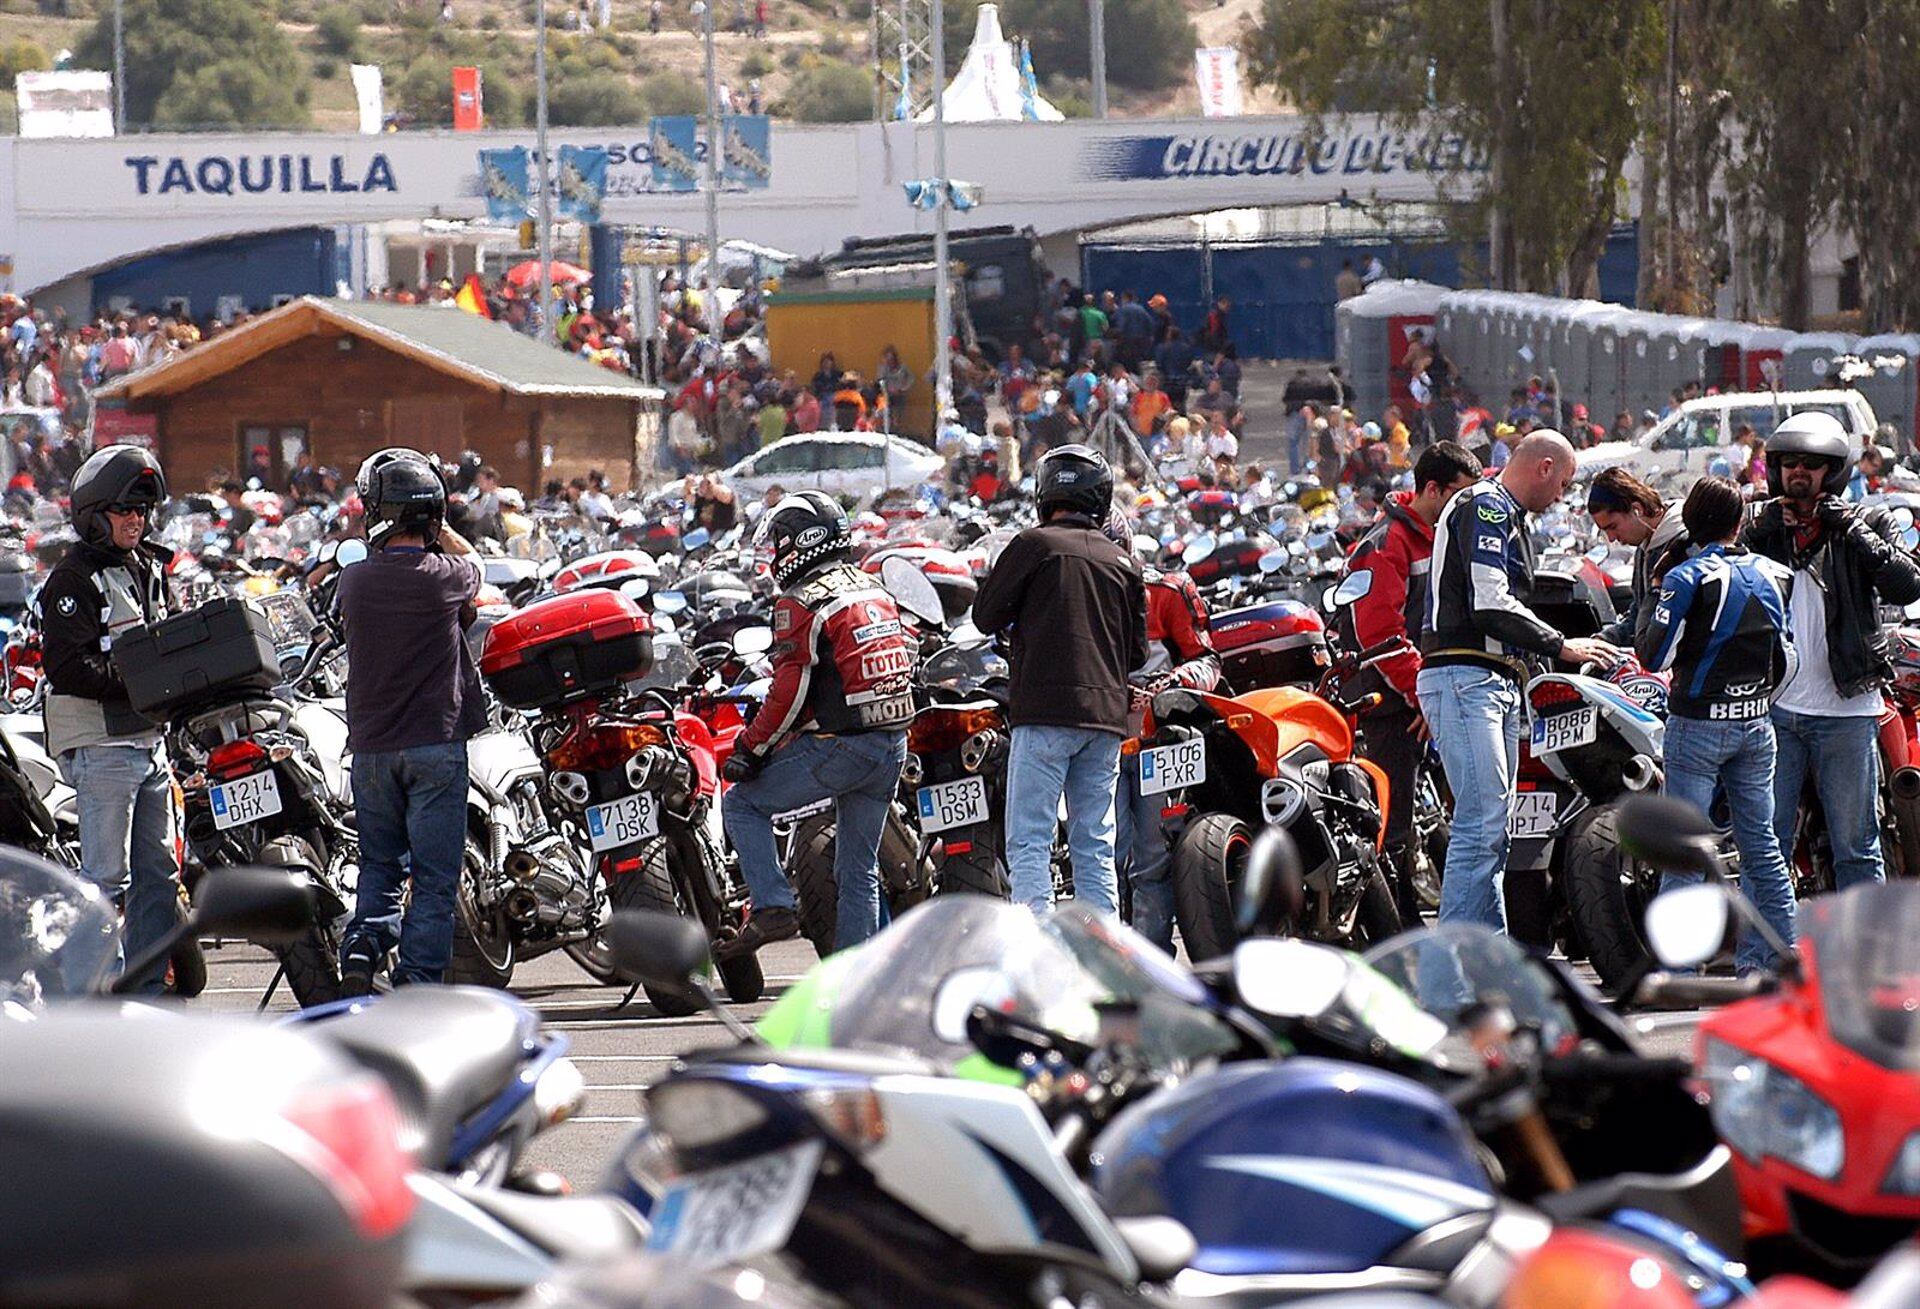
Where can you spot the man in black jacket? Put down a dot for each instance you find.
(110, 580)
(1846, 562)
(1077, 605)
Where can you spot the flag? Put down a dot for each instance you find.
(368, 97)
(928, 193)
(471, 298)
(1217, 70)
(674, 145)
(746, 155)
(469, 106)
(903, 106)
(503, 182)
(582, 181)
(1029, 85)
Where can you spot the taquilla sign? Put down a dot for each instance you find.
(252, 174)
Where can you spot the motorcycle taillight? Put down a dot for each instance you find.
(347, 1133)
(1554, 695)
(590, 748)
(234, 758)
(937, 730)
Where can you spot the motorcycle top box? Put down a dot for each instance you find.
(223, 650)
(568, 647)
(1278, 644)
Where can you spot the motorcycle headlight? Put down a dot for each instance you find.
(1904, 1177)
(1760, 1110)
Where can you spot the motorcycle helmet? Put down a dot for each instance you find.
(1077, 478)
(401, 490)
(802, 532)
(1811, 433)
(118, 476)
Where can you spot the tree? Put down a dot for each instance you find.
(667, 92)
(831, 93)
(171, 41)
(339, 30)
(424, 93)
(231, 93)
(21, 55)
(1149, 42)
(594, 100)
(1880, 187)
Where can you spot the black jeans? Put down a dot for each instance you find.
(1391, 743)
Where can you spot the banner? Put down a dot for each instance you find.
(746, 160)
(927, 193)
(469, 106)
(582, 181)
(1217, 68)
(503, 181)
(370, 96)
(68, 103)
(674, 144)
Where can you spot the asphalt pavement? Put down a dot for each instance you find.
(620, 1051)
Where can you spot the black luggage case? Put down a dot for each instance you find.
(221, 651)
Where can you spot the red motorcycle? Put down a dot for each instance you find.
(636, 777)
(1814, 1074)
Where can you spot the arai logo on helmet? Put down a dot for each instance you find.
(811, 537)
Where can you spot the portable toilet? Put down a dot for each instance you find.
(1762, 367)
(1721, 362)
(1606, 360)
(1895, 358)
(1372, 334)
(1682, 346)
(1640, 378)
(1476, 340)
(1536, 336)
(1572, 342)
(1808, 359)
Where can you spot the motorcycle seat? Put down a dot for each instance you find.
(1161, 1246)
(568, 1227)
(443, 1051)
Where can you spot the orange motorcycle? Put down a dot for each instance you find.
(1280, 756)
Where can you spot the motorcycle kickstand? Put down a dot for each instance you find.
(272, 986)
(627, 999)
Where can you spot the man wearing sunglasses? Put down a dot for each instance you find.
(112, 579)
(1846, 562)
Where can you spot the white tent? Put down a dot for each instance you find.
(988, 86)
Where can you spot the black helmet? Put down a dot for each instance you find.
(804, 531)
(114, 477)
(1075, 477)
(403, 492)
(1811, 433)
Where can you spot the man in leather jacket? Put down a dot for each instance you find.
(110, 580)
(1846, 561)
(833, 726)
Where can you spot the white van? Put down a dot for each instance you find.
(1692, 436)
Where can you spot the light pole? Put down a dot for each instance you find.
(712, 297)
(119, 71)
(942, 296)
(549, 321)
(1097, 49)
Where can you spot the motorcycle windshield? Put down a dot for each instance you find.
(59, 936)
(1866, 948)
(1082, 977)
(1457, 971)
(966, 667)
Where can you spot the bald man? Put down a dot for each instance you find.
(1479, 638)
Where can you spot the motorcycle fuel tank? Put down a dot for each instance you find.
(1301, 1166)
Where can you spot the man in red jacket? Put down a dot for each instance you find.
(1396, 554)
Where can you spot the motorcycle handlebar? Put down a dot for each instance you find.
(1666, 988)
(1619, 1067)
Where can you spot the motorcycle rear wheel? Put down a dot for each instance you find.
(483, 946)
(1207, 864)
(1603, 887)
(650, 886)
(817, 887)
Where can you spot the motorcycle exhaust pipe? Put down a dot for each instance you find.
(1640, 773)
(1905, 784)
(521, 866)
(1903, 792)
(522, 905)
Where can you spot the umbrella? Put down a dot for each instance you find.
(521, 275)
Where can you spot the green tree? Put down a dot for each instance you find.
(672, 93)
(204, 42)
(595, 99)
(339, 30)
(831, 93)
(18, 56)
(424, 93)
(231, 93)
(1149, 42)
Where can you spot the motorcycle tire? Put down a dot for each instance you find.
(187, 968)
(650, 886)
(313, 966)
(478, 962)
(1596, 872)
(1206, 867)
(744, 980)
(1379, 915)
(977, 872)
(810, 865)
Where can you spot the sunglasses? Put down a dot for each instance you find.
(142, 510)
(1817, 463)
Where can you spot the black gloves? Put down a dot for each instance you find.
(742, 766)
(1835, 514)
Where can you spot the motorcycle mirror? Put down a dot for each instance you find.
(1273, 561)
(1689, 925)
(750, 641)
(634, 588)
(1272, 890)
(1353, 587)
(1285, 978)
(958, 993)
(1902, 516)
(268, 905)
(908, 585)
(693, 540)
(350, 551)
(660, 950)
(1200, 547)
(1318, 541)
(327, 551)
(1668, 833)
(670, 602)
(664, 626)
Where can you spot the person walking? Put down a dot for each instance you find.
(1395, 556)
(1076, 606)
(1479, 634)
(413, 700)
(109, 580)
(1846, 562)
(1720, 624)
(834, 725)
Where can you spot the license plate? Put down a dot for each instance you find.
(1563, 731)
(953, 804)
(246, 800)
(737, 1212)
(1171, 767)
(1534, 813)
(623, 822)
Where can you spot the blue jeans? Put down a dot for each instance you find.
(1297, 434)
(1701, 753)
(1844, 754)
(1474, 715)
(1141, 845)
(412, 808)
(124, 794)
(861, 773)
(1085, 765)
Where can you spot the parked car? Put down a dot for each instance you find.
(1691, 437)
(839, 463)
